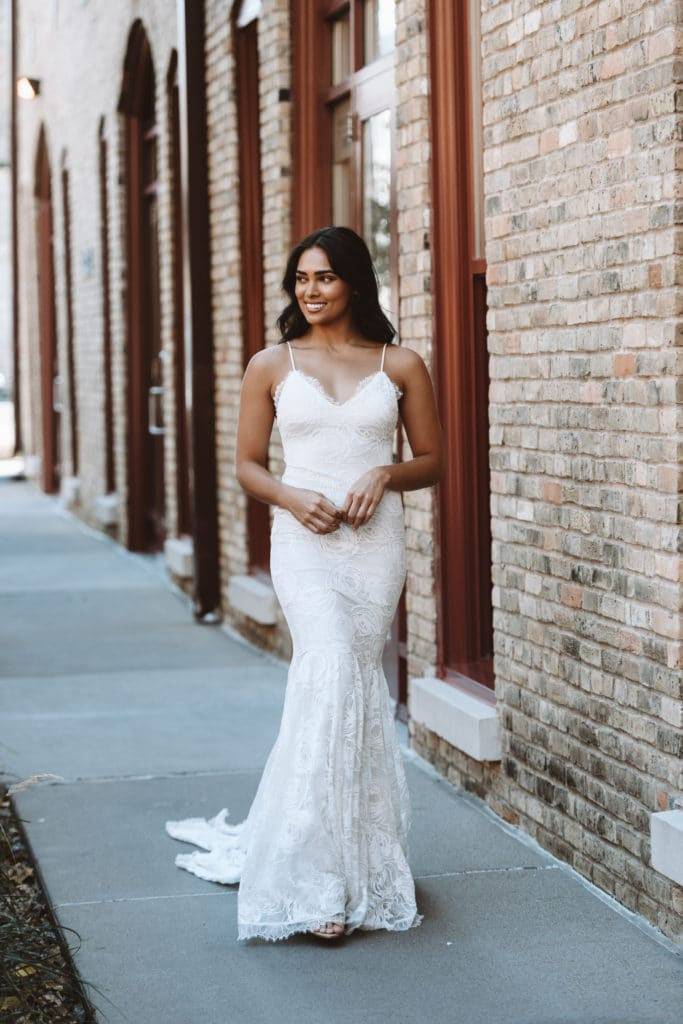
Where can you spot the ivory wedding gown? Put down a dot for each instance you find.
(325, 838)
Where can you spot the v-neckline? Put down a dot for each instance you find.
(319, 386)
(322, 391)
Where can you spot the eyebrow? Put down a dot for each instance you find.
(318, 273)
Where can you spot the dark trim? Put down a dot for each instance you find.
(251, 247)
(464, 631)
(145, 445)
(183, 501)
(311, 139)
(16, 357)
(109, 463)
(198, 305)
(70, 353)
(137, 84)
(47, 320)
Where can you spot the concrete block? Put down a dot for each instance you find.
(253, 597)
(70, 492)
(179, 554)
(666, 836)
(465, 720)
(107, 509)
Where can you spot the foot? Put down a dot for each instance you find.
(330, 930)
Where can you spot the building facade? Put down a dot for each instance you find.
(514, 166)
(5, 226)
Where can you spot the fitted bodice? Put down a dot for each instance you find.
(328, 444)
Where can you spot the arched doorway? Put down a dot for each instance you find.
(146, 490)
(50, 397)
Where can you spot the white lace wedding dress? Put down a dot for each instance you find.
(325, 838)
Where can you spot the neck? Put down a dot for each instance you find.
(337, 335)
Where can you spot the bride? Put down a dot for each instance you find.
(323, 848)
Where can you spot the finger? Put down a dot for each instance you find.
(324, 525)
(329, 506)
(363, 512)
(327, 517)
(353, 511)
(368, 513)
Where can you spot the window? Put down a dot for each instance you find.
(344, 142)
(359, 98)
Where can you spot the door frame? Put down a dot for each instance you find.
(464, 627)
(50, 400)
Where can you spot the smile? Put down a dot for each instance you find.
(315, 307)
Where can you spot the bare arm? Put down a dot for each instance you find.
(254, 427)
(421, 421)
(420, 418)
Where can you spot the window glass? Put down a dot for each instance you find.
(377, 197)
(341, 164)
(379, 28)
(341, 67)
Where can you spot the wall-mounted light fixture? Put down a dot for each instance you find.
(28, 88)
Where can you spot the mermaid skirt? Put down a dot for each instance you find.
(326, 835)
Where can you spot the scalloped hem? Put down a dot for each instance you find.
(278, 932)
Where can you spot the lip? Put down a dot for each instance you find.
(314, 307)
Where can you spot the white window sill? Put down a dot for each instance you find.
(465, 720)
(254, 598)
(666, 841)
(107, 509)
(179, 555)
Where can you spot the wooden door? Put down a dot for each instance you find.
(183, 502)
(145, 357)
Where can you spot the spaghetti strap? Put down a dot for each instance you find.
(291, 357)
(381, 365)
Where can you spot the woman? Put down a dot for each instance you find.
(324, 846)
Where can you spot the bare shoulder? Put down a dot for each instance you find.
(266, 367)
(405, 365)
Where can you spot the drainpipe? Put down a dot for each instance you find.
(196, 256)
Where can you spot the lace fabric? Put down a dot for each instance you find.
(326, 836)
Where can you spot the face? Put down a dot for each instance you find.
(322, 296)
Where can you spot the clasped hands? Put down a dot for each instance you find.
(321, 515)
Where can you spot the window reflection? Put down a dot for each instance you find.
(341, 164)
(379, 28)
(377, 197)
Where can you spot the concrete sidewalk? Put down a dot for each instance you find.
(145, 716)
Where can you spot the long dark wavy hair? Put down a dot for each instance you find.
(350, 259)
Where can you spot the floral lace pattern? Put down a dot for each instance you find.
(326, 837)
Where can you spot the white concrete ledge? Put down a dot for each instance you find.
(70, 491)
(253, 597)
(107, 509)
(179, 555)
(33, 466)
(463, 719)
(666, 840)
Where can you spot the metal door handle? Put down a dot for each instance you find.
(57, 393)
(154, 398)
